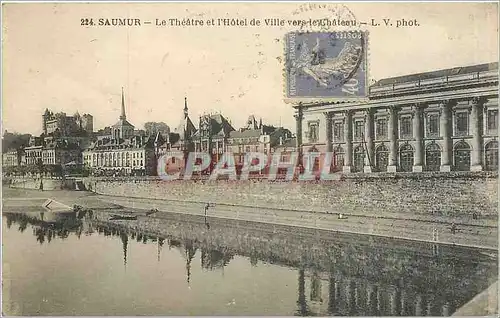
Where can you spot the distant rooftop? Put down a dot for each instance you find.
(437, 74)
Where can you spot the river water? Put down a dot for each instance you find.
(90, 266)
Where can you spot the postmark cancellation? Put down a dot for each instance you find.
(326, 66)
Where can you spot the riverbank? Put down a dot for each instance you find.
(482, 233)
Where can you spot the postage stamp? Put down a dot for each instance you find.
(325, 66)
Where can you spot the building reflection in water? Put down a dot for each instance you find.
(346, 281)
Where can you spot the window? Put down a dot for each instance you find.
(338, 159)
(338, 131)
(491, 156)
(381, 129)
(432, 157)
(492, 120)
(313, 132)
(382, 158)
(461, 156)
(247, 149)
(173, 159)
(359, 158)
(461, 123)
(358, 129)
(406, 129)
(406, 158)
(433, 125)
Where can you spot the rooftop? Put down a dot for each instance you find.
(437, 74)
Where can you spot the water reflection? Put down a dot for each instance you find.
(335, 276)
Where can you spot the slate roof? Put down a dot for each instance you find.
(185, 125)
(132, 142)
(437, 74)
(289, 143)
(123, 122)
(220, 126)
(249, 133)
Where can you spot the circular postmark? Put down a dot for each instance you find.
(325, 16)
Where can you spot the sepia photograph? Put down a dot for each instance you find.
(250, 159)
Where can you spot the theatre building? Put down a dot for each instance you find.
(445, 120)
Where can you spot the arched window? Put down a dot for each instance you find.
(338, 158)
(491, 156)
(432, 157)
(314, 163)
(461, 156)
(406, 158)
(359, 158)
(381, 158)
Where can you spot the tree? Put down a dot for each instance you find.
(14, 141)
(153, 127)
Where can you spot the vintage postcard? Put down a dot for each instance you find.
(250, 159)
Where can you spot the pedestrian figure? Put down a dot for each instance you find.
(206, 208)
(474, 216)
(453, 228)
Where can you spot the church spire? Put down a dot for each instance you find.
(123, 116)
(185, 107)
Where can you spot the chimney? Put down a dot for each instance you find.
(281, 140)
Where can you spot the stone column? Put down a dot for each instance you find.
(417, 133)
(368, 141)
(348, 142)
(445, 123)
(393, 302)
(298, 121)
(476, 123)
(392, 130)
(329, 132)
(369, 295)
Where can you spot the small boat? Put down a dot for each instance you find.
(122, 217)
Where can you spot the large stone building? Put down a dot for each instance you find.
(256, 137)
(63, 125)
(444, 120)
(212, 135)
(123, 152)
(13, 158)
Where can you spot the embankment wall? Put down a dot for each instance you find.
(453, 194)
(49, 184)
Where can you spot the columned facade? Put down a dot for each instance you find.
(432, 122)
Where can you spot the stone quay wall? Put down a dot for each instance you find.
(445, 194)
(33, 183)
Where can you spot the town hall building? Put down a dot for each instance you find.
(444, 120)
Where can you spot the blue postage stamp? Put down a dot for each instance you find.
(326, 65)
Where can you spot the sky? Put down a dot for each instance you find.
(51, 61)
